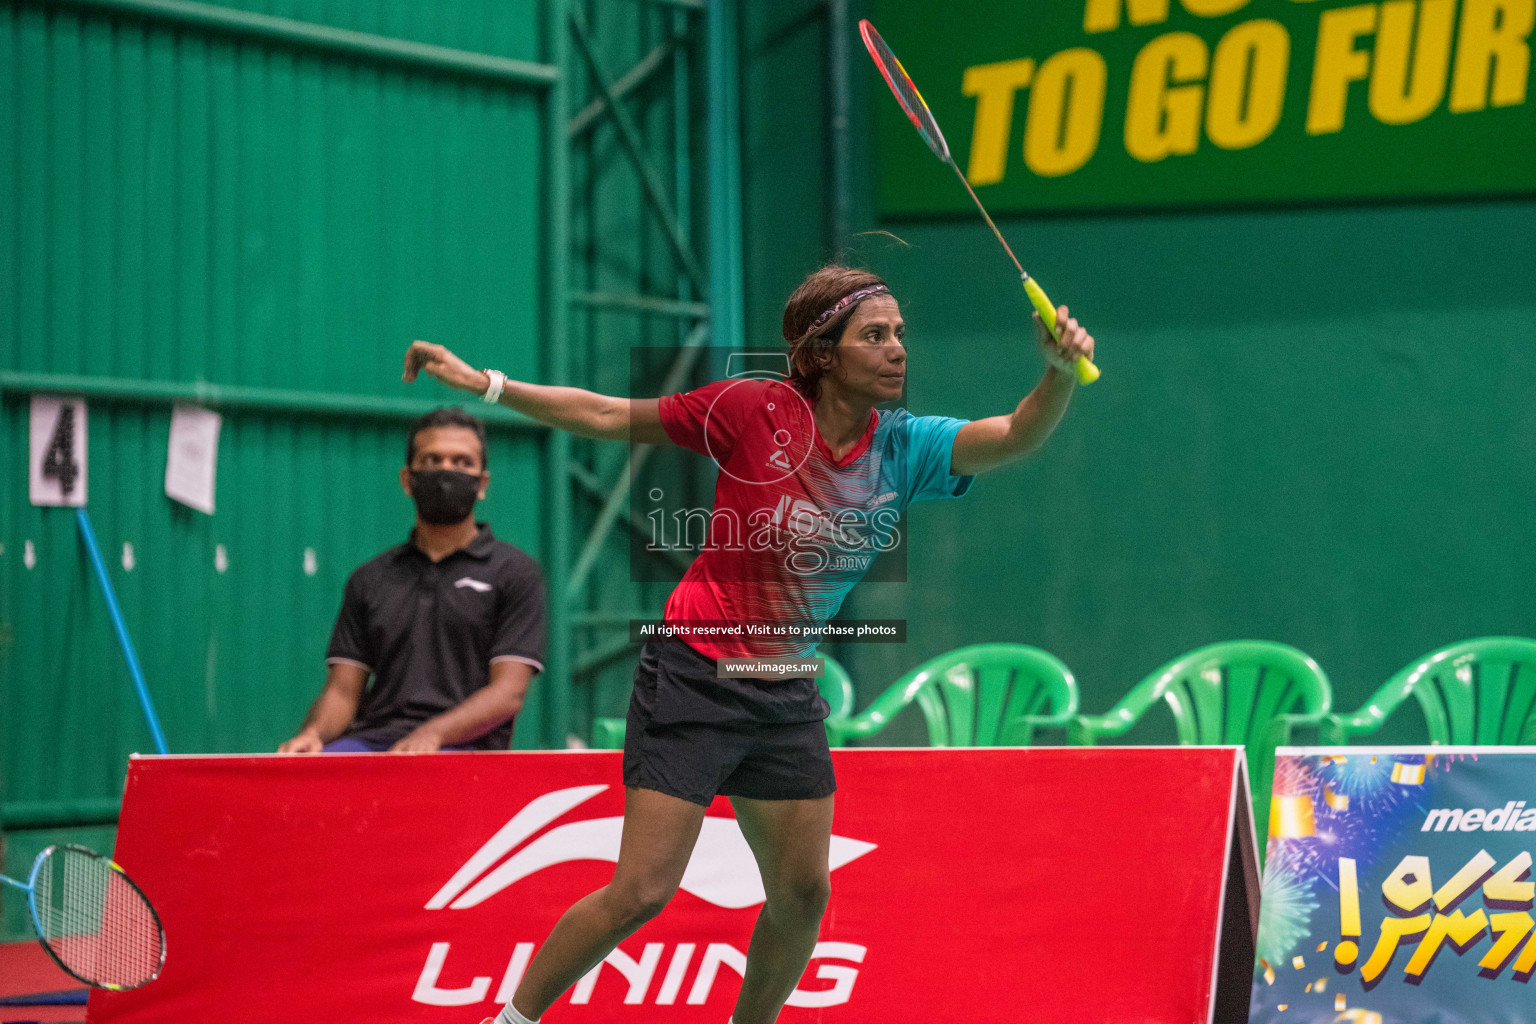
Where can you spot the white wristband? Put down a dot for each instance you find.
(493, 390)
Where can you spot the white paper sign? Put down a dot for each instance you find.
(194, 456)
(58, 448)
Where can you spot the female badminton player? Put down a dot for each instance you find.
(813, 478)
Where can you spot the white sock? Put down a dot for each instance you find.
(509, 1015)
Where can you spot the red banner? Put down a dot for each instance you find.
(968, 884)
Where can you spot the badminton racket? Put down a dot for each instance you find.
(92, 919)
(922, 119)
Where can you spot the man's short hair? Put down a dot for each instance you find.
(448, 416)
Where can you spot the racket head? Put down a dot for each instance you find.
(93, 920)
(904, 90)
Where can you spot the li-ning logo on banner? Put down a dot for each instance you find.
(721, 871)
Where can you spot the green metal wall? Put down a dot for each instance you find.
(275, 209)
(257, 210)
(1315, 425)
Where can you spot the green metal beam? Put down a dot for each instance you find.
(555, 684)
(629, 136)
(244, 399)
(610, 619)
(595, 658)
(839, 126)
(589, 482)
(638, 454)
(25, 814)
(642, 304)
(325, 39)
(689, 305)
(725, 240)
(628, 82)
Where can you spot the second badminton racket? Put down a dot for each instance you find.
(93, 921)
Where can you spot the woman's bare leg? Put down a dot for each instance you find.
(791, 840)
(659, 834)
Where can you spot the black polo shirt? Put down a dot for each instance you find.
(429, 631)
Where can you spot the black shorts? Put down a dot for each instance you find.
(694, 736)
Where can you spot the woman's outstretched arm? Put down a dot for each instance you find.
(998, 440)
(584, 413)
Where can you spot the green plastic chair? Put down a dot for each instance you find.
(835, 686)
(1479, 691)
(986, 695)
(608, 734)
(1251, 692)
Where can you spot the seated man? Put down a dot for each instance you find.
(450, 624)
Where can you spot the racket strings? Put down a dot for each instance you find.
(906, 93)
(922, 119)
(95, 921)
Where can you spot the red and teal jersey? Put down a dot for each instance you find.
(793, 529)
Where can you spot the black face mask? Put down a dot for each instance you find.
(444, 496)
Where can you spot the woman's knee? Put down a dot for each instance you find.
(803, 899)
(635, 903)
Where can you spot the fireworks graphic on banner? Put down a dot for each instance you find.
(1288, 905)
(1341, 806)
(1362, 777)
(1297, 776)
(1339, 834)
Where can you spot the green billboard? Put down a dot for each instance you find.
(1084, 104)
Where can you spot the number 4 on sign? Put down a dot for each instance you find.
(59, 459)
(58, 451)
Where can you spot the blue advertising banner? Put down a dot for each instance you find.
(1397, 887)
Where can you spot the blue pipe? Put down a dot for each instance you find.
(63, 997)
(122, 628)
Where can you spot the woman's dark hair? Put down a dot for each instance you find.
(813, 353)
(449, 416)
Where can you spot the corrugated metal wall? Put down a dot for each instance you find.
(277, 210)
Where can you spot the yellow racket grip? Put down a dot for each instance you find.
(1087, 373)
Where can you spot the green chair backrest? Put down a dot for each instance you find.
(608, 734)
(1248, 692)
(835, 686)
(1476, 692)
(985, 695)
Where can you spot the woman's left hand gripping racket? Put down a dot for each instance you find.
(922, 119)
(92, 919)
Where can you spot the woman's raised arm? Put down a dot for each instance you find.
(584, 413)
